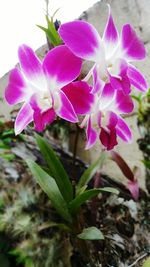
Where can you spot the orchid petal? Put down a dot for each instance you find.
(16, 91)
(123, 130)
(126, 85)
(121, 84)
(79, 94)
(31, 66)
(133, 187)
(108, 138)
(61, 66)
(115, 83)
(119, 68)
(44, 118)
(108, 134)
(24, 117)
(82, 38)
(137, 79)
(107, 96)
(131, 45)
(43, 114)
(118, 76)
(97, 83)
(91, 134)
(110, 36)
(64, 108)
(123, 103)
(112, 119)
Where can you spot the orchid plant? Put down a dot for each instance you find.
(52, 88)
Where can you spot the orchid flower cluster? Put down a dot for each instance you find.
(51, 88)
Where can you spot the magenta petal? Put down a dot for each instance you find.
(112, 119)
(126, 86)
(82, 38)
(107, 96)
(30, 63)
(124, 103)
(137, 79)
(97, 83)
(91, 135)
(44, 118)
(24, 117)
(132, 45)
(108, 138)
(15, 92)
(123, 130)
(64, 107)
(61, 65)
(110, 36)
(79, 94)
(118, 76)
(133, 187)
(121, 84)
(115, 83)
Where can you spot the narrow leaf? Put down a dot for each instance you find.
(61, 226)
(56, 169)
(75, 204)
(91, 233)
(49, 186)
(89, 173)
(42, 28)
(54, 36)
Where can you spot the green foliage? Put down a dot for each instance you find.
(146, 263)
(87, 195)
(89, 173)
(56, 169)
(51, 32)
(58, 186)
(35, 238)
(50, 187)
(7, 138)
(146, 163)
(91, 233)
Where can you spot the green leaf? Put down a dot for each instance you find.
(51, 32)
(146, 163)
(89, 173)
(57, 170)
(42, 28)
(50, 187)
(91, 233)
(7, 156)
(75, 204)
(146, 263)
(54, 36)
(61, 226)
(137, 98)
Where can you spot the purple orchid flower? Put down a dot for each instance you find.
(111, 54)
(39, 85)
(103, 120)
